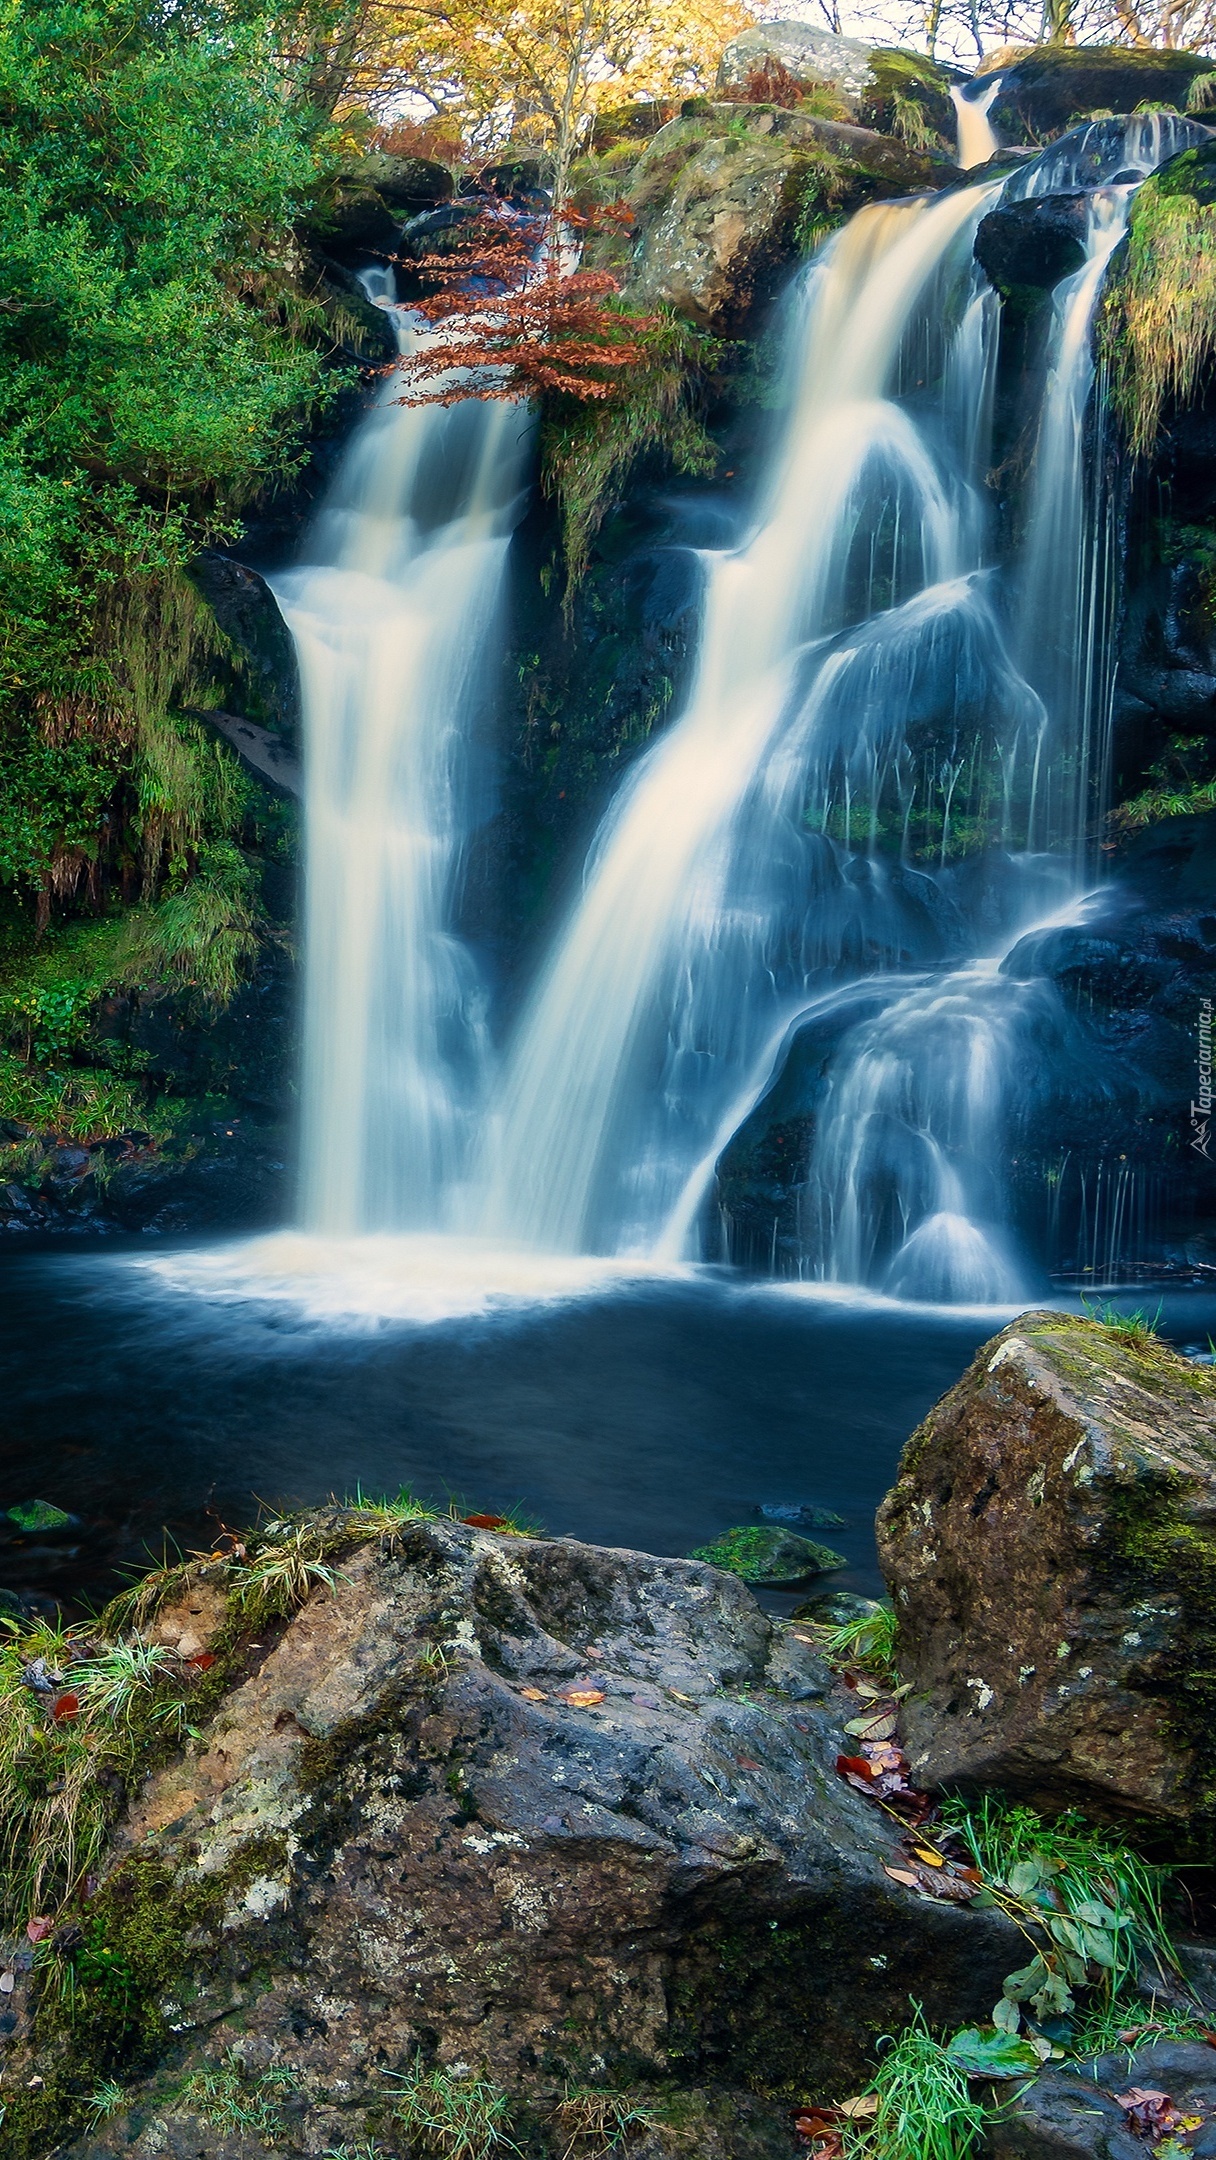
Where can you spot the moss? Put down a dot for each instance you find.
(818, 194)
(763, 1554)
(1159, 324)
(908, 96)
(589, 451)
(1155, 1551)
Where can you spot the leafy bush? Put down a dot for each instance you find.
(158, 373)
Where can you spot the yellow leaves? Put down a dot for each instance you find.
(584, 1698)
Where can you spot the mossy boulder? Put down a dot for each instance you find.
(1053, 86)
(759, 1553)
(1050, 1545)
(526, 1810)
(368, 202)
(908, 95)
(725, 204)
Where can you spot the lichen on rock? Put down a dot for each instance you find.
(725, 199)
(525, 1810)
(1050, 1544)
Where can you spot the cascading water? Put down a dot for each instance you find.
(871, 706)
(392, 615)
(707, 903)
(855, 689)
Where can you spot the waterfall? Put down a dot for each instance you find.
(874, 706)
(681, 953)
(854, 689)
(977, 140)
(393, 613)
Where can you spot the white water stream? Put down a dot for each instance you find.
(394, 618)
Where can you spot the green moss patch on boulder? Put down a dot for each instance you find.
(723, 202)
(760, 1554)
(1050, 1544)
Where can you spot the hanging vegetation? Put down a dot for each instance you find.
(1160, 324)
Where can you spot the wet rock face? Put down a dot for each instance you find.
(550, 1811)
(718, 199)
(1050, 1544)
(1033, 243)
(1075, 2114)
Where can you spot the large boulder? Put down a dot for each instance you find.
(1033, 243)
(723, 201)
(527, 1810)
(812, 54)
(1050, 87)
(1050, 1544)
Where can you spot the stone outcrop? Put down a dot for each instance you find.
(1048, 88)
(814, 55)
(1033, 243)
(1074, 2113)
(530, 1810)
(722, 198)
(1050, 1545)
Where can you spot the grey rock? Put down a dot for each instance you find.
(717, 200)
(398, 1834)
(813, 54)
(1074, 2114)
(1050, 1551)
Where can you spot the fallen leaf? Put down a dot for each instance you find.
(485, 1522)
(676, 1696)
(533, 1694)
(878, 1726)
(1149, 2112)
(589, 1652)
(991, 2055)
(583, 1698)
(202, 1661)
(809, 1640)
(746, 1762)
(39, 1928)
(855, 1766)
(66, 1707)
(930, 1858)
(862, 2109)
(902, 1875)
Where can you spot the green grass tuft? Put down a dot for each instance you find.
(926, 2109)
(453, 2118)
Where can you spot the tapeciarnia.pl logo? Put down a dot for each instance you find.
(1201, 1110)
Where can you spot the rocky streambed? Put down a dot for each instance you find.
(374, 1831)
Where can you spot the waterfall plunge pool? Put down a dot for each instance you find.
(624, 1404)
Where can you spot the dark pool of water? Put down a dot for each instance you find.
(653, 1417)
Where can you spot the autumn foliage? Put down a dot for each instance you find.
(518, 318)
(771, 84)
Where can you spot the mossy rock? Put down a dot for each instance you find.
(908, 96)
(768, 1556)
(1054, 86)
(1050, 1549)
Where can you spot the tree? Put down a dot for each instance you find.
(521, 70)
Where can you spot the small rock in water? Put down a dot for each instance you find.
(835, 1608)
(800, 1517)
(41, 1515)
(772, 1557)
